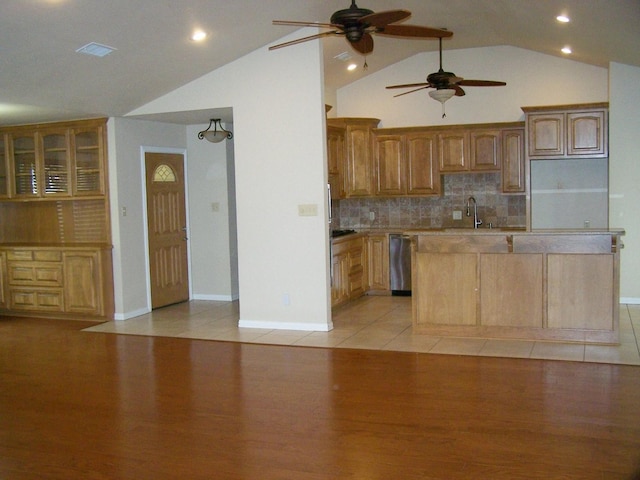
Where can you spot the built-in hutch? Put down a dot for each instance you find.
(55, 247)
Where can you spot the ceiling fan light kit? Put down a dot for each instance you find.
(215, 135)
(446, 84)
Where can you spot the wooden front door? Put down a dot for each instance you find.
(167, 229)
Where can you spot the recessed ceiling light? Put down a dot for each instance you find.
(96, 49)
(198, 35)
(352, 66)
(566, 50)
(563, 19)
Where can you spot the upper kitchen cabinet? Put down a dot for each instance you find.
(471, 148)
(4, 170)
(358, 145)
(405, 162)
(567, 131)
(513, 161)
(53, 160)
(335, 159)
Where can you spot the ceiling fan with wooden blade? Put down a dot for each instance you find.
(358, 24)
(446, 84)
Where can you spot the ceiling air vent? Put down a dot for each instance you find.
(96, 49)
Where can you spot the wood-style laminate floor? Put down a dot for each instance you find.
(84, 405)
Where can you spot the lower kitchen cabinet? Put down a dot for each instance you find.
(60, 281)
(3, 280)
(348, 280)
(378, 261)
(553, 286)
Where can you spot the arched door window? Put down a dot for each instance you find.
(164, 173)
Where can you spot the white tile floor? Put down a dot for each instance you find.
(372, 322)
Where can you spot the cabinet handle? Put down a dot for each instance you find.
(510, 243)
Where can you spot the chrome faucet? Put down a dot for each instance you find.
(476, 221)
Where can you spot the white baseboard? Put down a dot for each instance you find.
(630, 300)
(214, 298)
(310, 327)
(132, 314)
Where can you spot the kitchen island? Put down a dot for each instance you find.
(535, 285)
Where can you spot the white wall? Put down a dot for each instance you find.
(532, 79)
(280, 163)
(212, 235)
(624, 172)
(126, 138)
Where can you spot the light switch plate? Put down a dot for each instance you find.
(308, 210)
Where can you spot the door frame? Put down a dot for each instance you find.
(143, 169)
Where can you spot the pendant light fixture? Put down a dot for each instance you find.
(217, 134)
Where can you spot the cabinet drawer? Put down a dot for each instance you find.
(20, 255)
(47, 255)
(50, 300)
(35, 274)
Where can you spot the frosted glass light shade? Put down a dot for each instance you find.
(442, 95)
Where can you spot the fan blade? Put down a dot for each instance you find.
(410, 85)
(481, 83)
(459, 91)
(410, 91)
(304, 24)
(414, 31)
(381, 19)
(364, 45)
(304, 39)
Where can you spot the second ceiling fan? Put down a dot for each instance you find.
(358, 24)
(446, 84)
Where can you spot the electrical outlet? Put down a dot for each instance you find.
(215, 207)
(372, 216)
(457, 214)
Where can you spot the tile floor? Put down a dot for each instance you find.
(372, 322)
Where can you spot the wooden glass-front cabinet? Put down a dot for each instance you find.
(41, 161)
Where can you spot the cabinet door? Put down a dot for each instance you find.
(511, 290)
(453, 151)
(4, 167)
(513, 164)
(448, 293)
(580, 291)
(82, 285)
(25, 170)
(388, 154)
(88, 161)
(3, 280)
(485, 150)
(339, 278)
(336, 161)
(546, 134)
(378, 262)
(586, 134)
(359, 165)
(55, 163)
(357, 279)
(422, 164)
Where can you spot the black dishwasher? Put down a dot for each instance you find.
(400, 264)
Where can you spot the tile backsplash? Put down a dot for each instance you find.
(437, 212)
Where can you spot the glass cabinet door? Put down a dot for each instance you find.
(88, 164)
(24, 165)
(55, 151)
(4, 179)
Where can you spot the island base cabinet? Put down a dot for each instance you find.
(553, 286)
(577, 295)
(511, 290)
(448, 292)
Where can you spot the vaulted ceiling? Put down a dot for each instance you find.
(43, 78)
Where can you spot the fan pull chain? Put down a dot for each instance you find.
(365, 66)
(443, 113)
